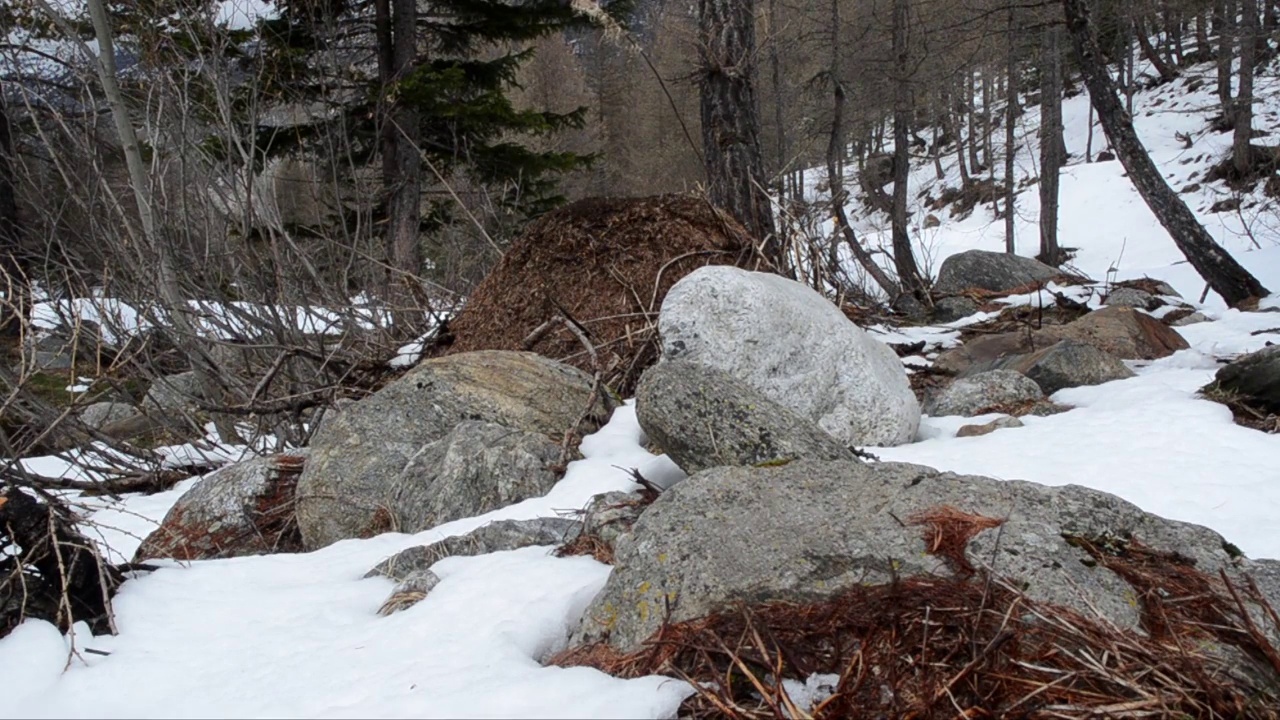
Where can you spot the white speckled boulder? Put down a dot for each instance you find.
(791, 344)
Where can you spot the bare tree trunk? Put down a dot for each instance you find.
(903, 257)
(13, 313)
(957, 133)
(1221, 271)
(775, 70)
(1163, 68)
(1010, 140)
(1203, 49)
(988, 161)
(1051, 156)
(1223, 10)
(1241, 155)
(971, 107)
(1128, 70)
(730, 120)
(167, 284)
(1088, 143)
(405, 179)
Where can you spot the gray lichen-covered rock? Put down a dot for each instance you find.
(360, 454)
(104, 413)
(1254, 377)
(173, 396)
(1134, 298)
(791, 344)
(702, 417)
(497, 536)
(611, 515)
(994, 271)
(1067, 364)
(950, 309)
(973, 395)
(241, 509)
(808, 530)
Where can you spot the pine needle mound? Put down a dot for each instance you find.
(604, 264)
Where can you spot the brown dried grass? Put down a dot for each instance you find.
(605, 264)
(975, 646)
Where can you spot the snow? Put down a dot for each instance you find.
(298, 635)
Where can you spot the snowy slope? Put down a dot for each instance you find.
(1100, 212)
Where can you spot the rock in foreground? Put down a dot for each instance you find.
(808, 530)
(367, 474)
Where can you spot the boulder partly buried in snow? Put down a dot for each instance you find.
(992, 271)
(1254, 378)
(497, 536)
(809, 530)
(1068, 364)
(242, 509)
(367, 474)
(703, 417)
(978, 394)
(1126, 333)
(788, 342)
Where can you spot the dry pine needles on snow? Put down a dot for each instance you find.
(604, 265)
(975, 646)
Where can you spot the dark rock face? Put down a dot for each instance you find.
(1254, 377)
(702, 418)
(993, 271)
(1068, 364)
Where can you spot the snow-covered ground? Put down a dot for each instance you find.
(299, 635)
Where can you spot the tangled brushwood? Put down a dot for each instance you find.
(975, 646)
(48, 569)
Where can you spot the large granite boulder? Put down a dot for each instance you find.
(807, 530)
(371, 465)
(993, 271)
(791, 344)
(242, 509)
(703, 417)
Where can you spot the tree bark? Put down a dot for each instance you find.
(903, 257)
(1010, 140)
(1242, 123)
(835, 176)
(1223, 10)
(1166, 71)
(1051, 156)
(1221, 271)
(730, 119)
(402, 171)
(13, 314)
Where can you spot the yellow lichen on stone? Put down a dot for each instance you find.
(644, 587)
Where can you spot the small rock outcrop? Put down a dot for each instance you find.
(977, 394)
(100, 414)
(950, 309)
(1125, 333)
(497, 536)
(791, 344)
(992, 271)
(241, 509)
(1068, 364)
(976, 430)
(369, 472)
(702, 417)
(809, 530)
(1254, 378)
